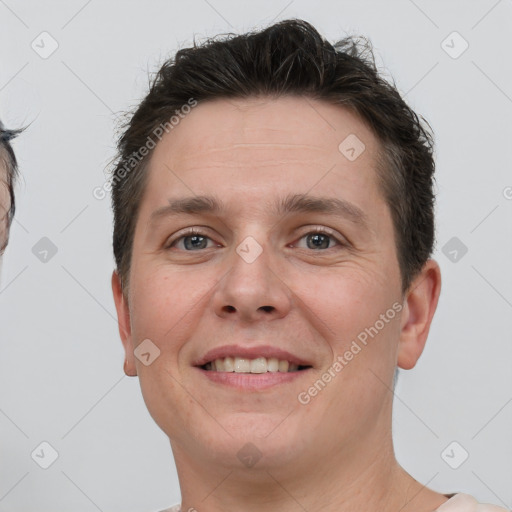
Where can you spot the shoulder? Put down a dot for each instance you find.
(466, 503)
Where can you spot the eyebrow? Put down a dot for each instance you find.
(296, 203)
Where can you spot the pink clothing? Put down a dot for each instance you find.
(458, 503)
(465, 503)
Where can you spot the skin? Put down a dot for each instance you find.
(4, 205)
(334, 453)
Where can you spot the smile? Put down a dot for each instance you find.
(258, 365)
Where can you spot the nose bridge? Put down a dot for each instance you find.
(251, 286)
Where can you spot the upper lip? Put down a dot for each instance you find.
(250, 353)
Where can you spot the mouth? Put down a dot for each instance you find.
(251, 368)
(233, 364)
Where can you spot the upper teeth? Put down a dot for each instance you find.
(244, 365)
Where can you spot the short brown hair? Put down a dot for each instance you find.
(7, 161)
(291, 58)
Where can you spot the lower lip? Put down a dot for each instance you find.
(252, 381)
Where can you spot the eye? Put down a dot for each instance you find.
(320, 238)
(192, 239)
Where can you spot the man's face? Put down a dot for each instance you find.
(5, 204)
(306, 293)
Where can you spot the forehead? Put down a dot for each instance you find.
(3, 178)
(287, 124)
(4, 203)
(3, 167)
(251, 149)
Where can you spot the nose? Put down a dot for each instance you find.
(253, 288)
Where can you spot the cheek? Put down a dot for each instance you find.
(166, 304)
(348, 298)
(362, 313)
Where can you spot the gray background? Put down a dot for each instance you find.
(61, 376)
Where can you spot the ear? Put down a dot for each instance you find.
(123, 320)
(419, 308)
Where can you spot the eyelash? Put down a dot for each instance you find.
(316, 231)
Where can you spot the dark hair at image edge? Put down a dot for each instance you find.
(291, 58)
(8, 161)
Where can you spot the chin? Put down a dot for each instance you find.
(255, 441)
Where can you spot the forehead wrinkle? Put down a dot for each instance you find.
(285, 145)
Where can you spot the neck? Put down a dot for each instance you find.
(366, 477)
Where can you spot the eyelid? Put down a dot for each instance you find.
(193, 231)
(201, 231)
(341, 240)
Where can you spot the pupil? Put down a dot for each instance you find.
(315, 238)
(194, 239)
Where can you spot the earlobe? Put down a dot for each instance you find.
(123, 321)
(419, 307)
(128, 370)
